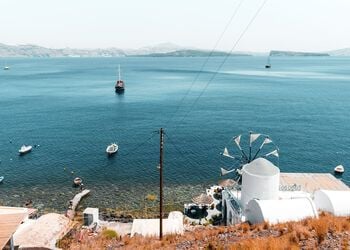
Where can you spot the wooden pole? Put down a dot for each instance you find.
(161, 184)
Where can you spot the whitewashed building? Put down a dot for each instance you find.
(336, 202)
(260, 198)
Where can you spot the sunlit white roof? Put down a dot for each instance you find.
(278, 211)
(333, 201)
(261, 167)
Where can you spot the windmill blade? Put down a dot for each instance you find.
(237, 141)
(274, 153)
(225, 172)
(267, 141)
(226, 153)
(253, 137)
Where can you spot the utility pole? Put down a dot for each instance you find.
(161, 145)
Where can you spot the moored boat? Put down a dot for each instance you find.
(268, 64)
(25, 149)
(1, 179)
(119, 86)
(6, 68)
(339, 169)
(112, 148)
(77, 181)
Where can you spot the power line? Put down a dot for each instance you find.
(179, 151)
(205, 62)
(142, 143)
(224, 61)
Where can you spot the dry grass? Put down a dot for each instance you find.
(270, 243)
(263, 236)
(245, 227)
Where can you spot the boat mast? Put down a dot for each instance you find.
(119, 72)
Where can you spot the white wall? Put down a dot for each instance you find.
(278, 211)
(260, 180)
(332, 201)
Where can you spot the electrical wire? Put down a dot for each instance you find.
(205, 62)
(223, 62)
(141, 144)
(179, 151)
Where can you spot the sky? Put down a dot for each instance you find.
(299, 25)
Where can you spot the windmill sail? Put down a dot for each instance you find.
(225, 172)
(237, 141)
(274, 153)
(267, 140)
(253, 137)
(226, 153)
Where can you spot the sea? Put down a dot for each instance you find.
(68, 110)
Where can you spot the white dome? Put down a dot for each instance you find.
(278, 211)
(333, 201)
(261, 167)
(260, 180)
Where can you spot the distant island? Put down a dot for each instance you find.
(159, 50)
(295, 53)
(193, 53)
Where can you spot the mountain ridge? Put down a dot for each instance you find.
(159, 50)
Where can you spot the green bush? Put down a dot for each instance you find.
(109, 234)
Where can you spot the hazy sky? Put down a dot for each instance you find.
(305, 25)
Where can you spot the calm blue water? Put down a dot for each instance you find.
(68, 107)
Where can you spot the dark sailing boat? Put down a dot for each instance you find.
(119, 86)
(268, 64)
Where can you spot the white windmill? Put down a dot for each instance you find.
(242, 150)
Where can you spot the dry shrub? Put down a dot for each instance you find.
(290, 227)
(258, 227)
(109, 234)
(266, 225)
(306, 222)
(232, 228)
(245, 227)
(170, 238)
(302, 232)
(321, 229)
(284, 242)
(346, 226)
(214, 245)
(222, 230)
(270, 243)
(198, 234)
(293, 238)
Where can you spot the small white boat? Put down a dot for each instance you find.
(77, 181)
(112, 148)
(1, 178)
(6, 68)
(339, 169)
(25, 149)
